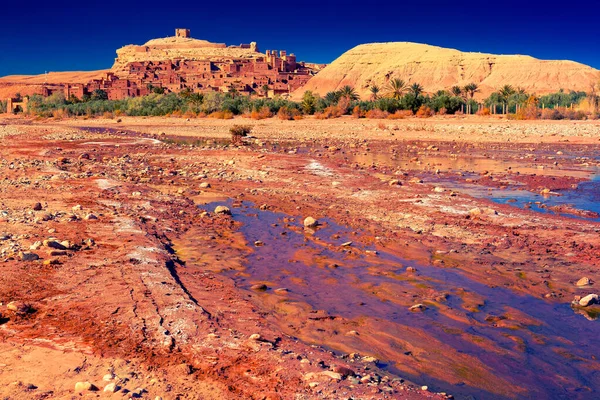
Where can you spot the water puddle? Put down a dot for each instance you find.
(581, 202)
(467, 338)
(140, 141)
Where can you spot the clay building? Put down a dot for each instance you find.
(182, 33)
(277, 72)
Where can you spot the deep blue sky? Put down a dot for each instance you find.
(67, 35)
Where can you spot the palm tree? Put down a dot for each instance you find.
(470, 89)
(349, 92)
(505, 92)
(196, 99)
(416, 89)
(522, 97)
(232, 90)
(374, 92)
(396, 88)
(265, 89)
(332, 97)
(456, 91)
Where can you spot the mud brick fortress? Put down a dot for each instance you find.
(182, 63)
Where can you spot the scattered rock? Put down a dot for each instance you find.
(585, 281)
(310, 222)
(37, 207)
(90, 216)
(418, 308)
(18, 307)
(370, 359)
(53, 244)
(255, 336)
(333, 375)
(222, 210)
(589, 300)
(204, 185)
(185, 369)
(111, 388)
(259, 287)
(394, 182)
(475, 212)
(84, 387)
(28, 256)
(344, 371)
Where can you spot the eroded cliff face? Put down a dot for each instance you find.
(178, 47)
(438, 68)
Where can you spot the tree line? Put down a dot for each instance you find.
(397, 98)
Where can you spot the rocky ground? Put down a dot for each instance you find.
(120, 279)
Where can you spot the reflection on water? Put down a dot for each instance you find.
(582, 202)
(548, 352)
(466, 164)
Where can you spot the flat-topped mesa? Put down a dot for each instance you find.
(182, 46)
(438, 68)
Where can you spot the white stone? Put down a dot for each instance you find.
(310, 222)
(589, 300)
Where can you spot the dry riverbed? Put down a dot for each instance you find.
(449, 258)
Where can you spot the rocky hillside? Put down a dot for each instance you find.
(439, 68)
(178, 47)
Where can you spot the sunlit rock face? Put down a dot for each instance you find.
(438, 68)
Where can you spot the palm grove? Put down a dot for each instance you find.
(394, 98)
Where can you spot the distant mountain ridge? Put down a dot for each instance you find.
(438, 68)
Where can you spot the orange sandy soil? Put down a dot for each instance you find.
(140, 294)
(474, 129)
(32, 84)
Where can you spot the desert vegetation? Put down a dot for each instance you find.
(395, 100)
(238, 132)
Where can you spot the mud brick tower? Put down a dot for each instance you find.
(182, 33)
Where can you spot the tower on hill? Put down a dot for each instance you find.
(182, 33)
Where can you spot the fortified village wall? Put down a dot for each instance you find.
(182, 63)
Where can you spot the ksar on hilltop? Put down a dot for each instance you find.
(181, 63)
